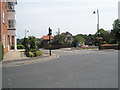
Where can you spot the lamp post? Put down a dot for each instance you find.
(97, 25)
(26, 33)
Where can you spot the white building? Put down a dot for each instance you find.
(11, 24)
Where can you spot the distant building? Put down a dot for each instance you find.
(68, 38)
(45, 40)
(7, 24)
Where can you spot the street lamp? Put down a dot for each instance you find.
(97, 25)
(26, 32)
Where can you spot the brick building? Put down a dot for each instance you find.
(7, 24)
(3, 25)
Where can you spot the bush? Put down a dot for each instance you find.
(31, 54)
(33, 50)
(12, 47)
(20, 47)
(38, 53)
(107, 46)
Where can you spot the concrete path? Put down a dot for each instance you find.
(15, 55)
(17, 58)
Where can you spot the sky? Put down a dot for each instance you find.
(74, 16)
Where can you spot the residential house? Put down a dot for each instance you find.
(45, 40)
(67, 38)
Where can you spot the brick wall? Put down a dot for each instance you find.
(4, 23)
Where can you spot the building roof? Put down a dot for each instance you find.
(46, 37)
(99, 38)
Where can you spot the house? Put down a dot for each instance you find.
(7, 24)
(67, 38)
(45, 40)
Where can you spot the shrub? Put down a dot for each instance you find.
(31, 54)
(12, 47)
(106, 45)
(20, 47)
(38, 53)
(33, 50)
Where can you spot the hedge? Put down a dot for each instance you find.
(33, 53)
(53, 46)
(110, 47)
(18, 47)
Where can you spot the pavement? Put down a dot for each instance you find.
(18, 58)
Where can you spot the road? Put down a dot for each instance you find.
(89, 69)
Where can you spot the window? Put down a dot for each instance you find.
(68, 38)
(10, 5)
(3, 16)
(11, 24)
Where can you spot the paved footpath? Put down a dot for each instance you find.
(17, 58)
(15, 55)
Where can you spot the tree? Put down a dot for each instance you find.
(116, 30)
(38, 43)
(32, 42)
(19, 41)
(104, 34)
(26, 43)
(78, 39)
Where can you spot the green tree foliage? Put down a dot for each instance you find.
(19, 41)
(26, 44)
(104, 34)
(38, 43)
(58, 39)
(32, 42)
(79, 39)
(116, 30)
(29, 43)
(62, 38)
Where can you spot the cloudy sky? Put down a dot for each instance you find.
(74, 16)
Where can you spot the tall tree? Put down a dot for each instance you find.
(79, 40)
(116, 30)
(104, 34)
(32, 42)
